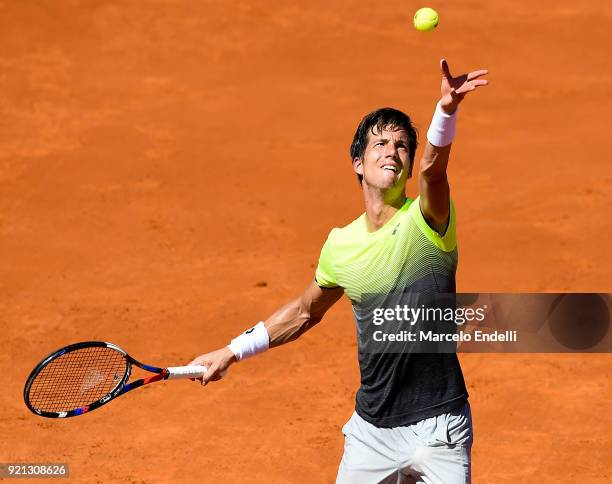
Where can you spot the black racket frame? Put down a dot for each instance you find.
(119, 389)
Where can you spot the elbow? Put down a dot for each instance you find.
(306, 319)
(309, 315)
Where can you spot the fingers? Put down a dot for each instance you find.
(216, 363)
(445, 69)
(208, 376)
(470, 77)
(200, 360)
(468, 86)
(194, 362)
(476, 74)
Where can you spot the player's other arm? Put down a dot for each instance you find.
(298, 316)
(433, 182)
(286, 324)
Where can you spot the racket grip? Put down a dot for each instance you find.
(175, 372)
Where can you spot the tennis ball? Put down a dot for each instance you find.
(425, 19)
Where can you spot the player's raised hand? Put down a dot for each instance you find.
(454, 89)
(217, 363)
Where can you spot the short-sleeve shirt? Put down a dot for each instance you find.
(407, 256)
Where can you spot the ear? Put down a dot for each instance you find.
(358, 166)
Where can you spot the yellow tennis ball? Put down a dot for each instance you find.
(426, 19)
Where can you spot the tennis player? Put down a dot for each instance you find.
(412, 420)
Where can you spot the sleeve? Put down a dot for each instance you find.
(447, 241)
(325, 274)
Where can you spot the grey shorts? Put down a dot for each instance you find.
(435, 450)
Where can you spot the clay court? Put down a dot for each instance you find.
(170, 170)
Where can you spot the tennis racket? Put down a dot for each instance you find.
(81, 377)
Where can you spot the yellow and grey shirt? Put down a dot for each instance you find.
(409, 258)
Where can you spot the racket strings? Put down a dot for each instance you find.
(77, 378)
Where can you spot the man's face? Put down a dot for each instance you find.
(386, 162)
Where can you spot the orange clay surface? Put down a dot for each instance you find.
(170, 170)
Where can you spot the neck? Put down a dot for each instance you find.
(381, 205)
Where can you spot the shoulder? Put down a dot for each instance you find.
(350, 232)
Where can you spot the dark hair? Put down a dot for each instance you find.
(379, 120)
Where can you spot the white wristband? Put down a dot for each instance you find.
(442, 128)
(251, 342)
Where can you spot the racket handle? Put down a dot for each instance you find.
(175, 372)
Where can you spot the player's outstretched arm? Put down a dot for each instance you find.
(433, 183)
(286, 324)
(295, 318)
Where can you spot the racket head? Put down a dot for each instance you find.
(76, 379)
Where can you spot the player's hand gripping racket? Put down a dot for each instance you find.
(84, 376)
